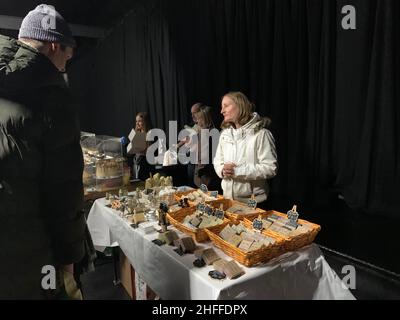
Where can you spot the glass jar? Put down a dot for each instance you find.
(151, 215)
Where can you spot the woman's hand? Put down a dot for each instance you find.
(184, 141)
(228, 171)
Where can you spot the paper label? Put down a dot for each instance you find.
(227, 233)
(201, 207)
(293, 217)
(214, 194)
(219, 214)
(245, 245)
(209, 210)
(258, 224)
(235, 240)
(252, 203)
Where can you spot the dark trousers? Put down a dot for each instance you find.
(190, 175)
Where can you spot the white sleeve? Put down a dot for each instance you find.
(219, 158)
(267, 163)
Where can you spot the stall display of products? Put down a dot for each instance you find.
(105, 167)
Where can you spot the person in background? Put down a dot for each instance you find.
(246, 156)
(194, 110)
(185, 148)
(142, 122)
(141, 167)
(204, 172)
(41, 163)
(194, 126)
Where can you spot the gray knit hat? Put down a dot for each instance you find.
(46, 24)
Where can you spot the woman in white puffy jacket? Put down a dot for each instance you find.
(246, 156)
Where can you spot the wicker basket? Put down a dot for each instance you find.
(179, 195)
(176, 219)
(249, 259)
(234, 217)
(291, 243)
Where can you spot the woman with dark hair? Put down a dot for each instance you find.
(246, 155)
(143, 123)
(141, 168)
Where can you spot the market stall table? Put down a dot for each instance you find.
(91, 195)
(303, 274)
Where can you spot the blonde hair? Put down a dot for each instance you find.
(246, 108)
(205, 114)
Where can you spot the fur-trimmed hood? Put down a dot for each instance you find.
(252, 127)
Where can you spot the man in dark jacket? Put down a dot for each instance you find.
(41, 161)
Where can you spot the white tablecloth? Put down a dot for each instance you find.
(303, 274)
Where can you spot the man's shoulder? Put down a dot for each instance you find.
(14, 111)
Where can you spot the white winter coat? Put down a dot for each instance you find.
(252, 149)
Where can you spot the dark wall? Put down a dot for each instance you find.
(133, 69)
(332, 94)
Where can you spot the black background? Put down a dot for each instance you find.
(332, 95)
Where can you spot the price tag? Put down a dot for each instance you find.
(257, 224)
(209, 210)
(201, 207)
(214, 194)
(219, 214)
(252, 203)
(293, 217)
(204, 188)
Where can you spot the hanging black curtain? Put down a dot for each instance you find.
(133, 69)
(366, 124)
(332, 94)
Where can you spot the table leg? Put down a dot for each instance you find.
(116, 280)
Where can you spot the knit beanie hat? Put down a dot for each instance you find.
(46, 24)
